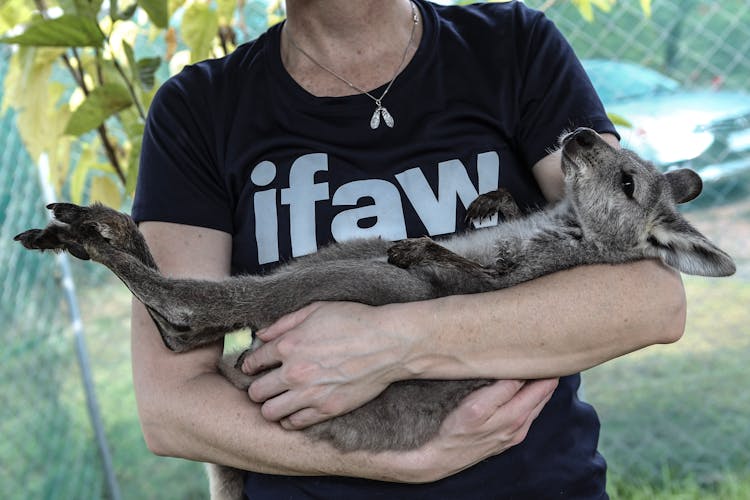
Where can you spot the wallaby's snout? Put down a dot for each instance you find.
(580, 138)
(578, 143)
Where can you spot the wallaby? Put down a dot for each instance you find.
(617, 208)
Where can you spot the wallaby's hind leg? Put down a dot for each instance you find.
(486, 205)
(112, 238)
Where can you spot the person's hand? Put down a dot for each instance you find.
(486, 423)
(325, 359)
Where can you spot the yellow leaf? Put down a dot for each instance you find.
(59, 163)
(200, 25)
(104, 190)
(13, 13)
(275, 12)
(619, 120)
(646, 7)
(226, 10)
(585, 8)
(28, 91)
(58, 149)
(81, 170)
(124, 31)
(603, 5)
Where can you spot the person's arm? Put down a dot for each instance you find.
(335, 356)
(188, 410)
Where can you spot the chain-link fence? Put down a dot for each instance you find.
(46, 449)
(675, 414)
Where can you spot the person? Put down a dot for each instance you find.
(358, 118)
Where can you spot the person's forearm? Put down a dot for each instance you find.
(218, 424)
(552, 326)
(196, 414)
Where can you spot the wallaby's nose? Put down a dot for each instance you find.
(584, 137)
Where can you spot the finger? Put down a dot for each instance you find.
(479, 407)
(266, 387)
(495, 395)
(532, 398)
(301, 419)
(263, 358)
(286, 323)
(282, 406)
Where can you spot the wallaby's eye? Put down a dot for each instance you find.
(628, 185)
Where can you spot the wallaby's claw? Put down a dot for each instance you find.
(40, 239)
(486, 205)
(47, 239)
(66, 212)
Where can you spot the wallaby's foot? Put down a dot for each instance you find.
(486, 205)
(85, 232)
(50, 239)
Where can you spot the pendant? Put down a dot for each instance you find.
(387, 118)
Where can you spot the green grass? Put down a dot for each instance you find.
(675, 418)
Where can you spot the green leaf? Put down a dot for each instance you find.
(130, 56)
(99, 105)
(200, 25)
(157, 11)
(65, 31)
(133, 165)
(619, 120)
(146, 70)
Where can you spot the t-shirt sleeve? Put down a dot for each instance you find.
(179, 178)
(555, 94)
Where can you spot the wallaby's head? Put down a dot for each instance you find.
(624, 200)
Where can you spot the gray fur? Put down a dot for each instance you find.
(617, 208)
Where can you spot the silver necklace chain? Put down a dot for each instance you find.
(380, 110)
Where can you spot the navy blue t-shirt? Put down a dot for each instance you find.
(235, 144)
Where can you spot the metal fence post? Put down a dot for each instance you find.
(82, 355)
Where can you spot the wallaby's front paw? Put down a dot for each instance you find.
(486, 205)
(410, 252)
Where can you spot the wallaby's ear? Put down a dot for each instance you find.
(686, 185)
(682, 247)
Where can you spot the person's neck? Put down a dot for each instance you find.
(359, 24)
(362, 40)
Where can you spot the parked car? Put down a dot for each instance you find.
(707, 130)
